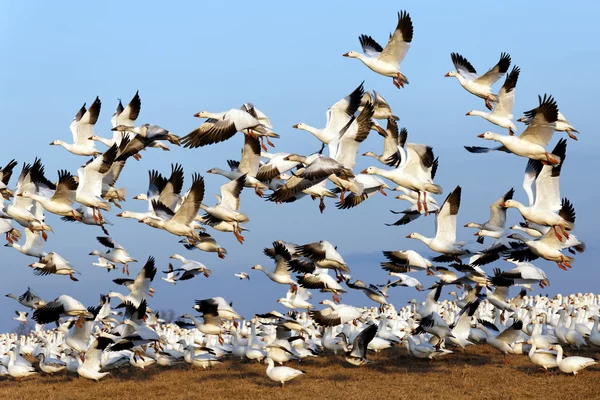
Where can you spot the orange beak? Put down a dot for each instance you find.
(480, 136)
(408, 236)
(364, 171)
(345, 55)
(447, 74)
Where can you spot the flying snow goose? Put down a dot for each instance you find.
(316, 278)
(90, 368)
(190, 268)
(212, 321)
(381, 109)
(531, 143)
(402, 261)
(526, 273)
(53, 263)
(21, 316)
(281, 374)
(338, 115)
(296, 298)
(445, 236)
(242, 276)
(222, 226)
(386, 61)
(140, 288)
(82, 128)
(117, 253)
(33, 246)
(435, 325)
(548, 247)
(275, 166)
(88, 217)
(344, 146)
(171, 275)
(205, 243)
(336, 314)
(5, 174)
(412, 213)
(61, 306)
(62, 198)
(149, 132)
(494, 227)
(247, 166)
(415, 172)
(324, 254)
(281, 256)
(548, 209)
(480, 86)
(180, 222)
(562, 124)
(318, 168)
(502, 341)
(391, 140)
(374, 293)
(358, 354)
(265, 122)
(167, 191)
(367, 186)
(28, 299)
(104, 263)
(502, 114)
(404, 280)
(573, 364)
(222, 126)
(224, 309)
(89, 189)
(228, 207)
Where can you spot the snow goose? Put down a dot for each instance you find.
(379, 296)
(140, 288)
(405, 261)
(61, 306)
(502, 114)
(412, 213)
(89, 189)
(435, 325)
(381, 109)
(6, 228)
(275, 166)
(247, 166)
(423, 349)
(358, 354)
(391, 141)
(386, 61)
(281, 374)
(117, 253)
(228, 206)
(50, 365)
(503, 340)
(33, 246)
(316, 278)
(526, 274)
(571, 365)
(367, 186)
(190, 268)
(542, 358)
(445, 237)
(222, 126)
(90, 368)
(405, 280)
(562, 124)
(480, 86)
(547, 200)
(338, 116)
(180, 222)
(296, 298)
(21, 316)
(264, 120)
(324, 254)
(242, 275)
(122, 116)
(88, 217)
(5, 174)
(494, 227)
(205, 243)
(224, 309)
(171, 275)
(531, 143)
(336, 314)
(415, 172)
(211, 324)
(344, 146)
(82, 128)
(53, 263)
(28, 299)
(548, 247)
(17, 369)
(281, 256)
(318, 168)
(149, 132)
(63, 195)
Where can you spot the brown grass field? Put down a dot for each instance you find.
(477, 373)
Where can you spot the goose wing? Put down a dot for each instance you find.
(191, 204)
(542, 126)
(506, 96)
(446, 218)
(399, 42)
(496, 72)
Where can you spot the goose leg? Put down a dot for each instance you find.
(336, 299)
(425, 202)
(322, 205)
(239, 237)
(269, 142)
(399, 80)
(75, 216)
(382, 191)
(550, 159)
(510, 132)
(137, 156)
(561, 266)
(418, 201)
(429, 272)
(557, 234)
(258, 192)
(571, 135)
(564, 232)
(487, 103)
(262, 143)
(395, 82)
(8, 238)
(44, 235)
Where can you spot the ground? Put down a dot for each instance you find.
(477, 373)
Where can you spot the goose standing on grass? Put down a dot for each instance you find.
(480, 86)
(281, 374)
(391, 140)
(222, 126)
(386, 61)
(228, 208)
(502, 114)
(571, 365)
(190, 268)
(180, 222)
(82, 128)
(494, 227)
(50, 365)
(562, 125)
(90, 368)
(547, 209)
(338, 116)
(117, 253)
(542, 358)
(18, 369)
(445, 236)
(532, 142)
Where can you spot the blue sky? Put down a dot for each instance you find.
(286, 59)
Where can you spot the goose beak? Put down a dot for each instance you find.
(469, 113)
(447, 75)
(295, 126)
(346, 55)
(197, 115)
(480, 136)
(119, 214)
(364, 171)
(408, 236)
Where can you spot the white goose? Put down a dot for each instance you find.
(33, 246)
(62, 197)
(480, 86)
(281, 273)
(116, 255)
(386, 61)
(281, 374)
(494, 227)
(562, 124)
(571, 365)
(190, 268)
(82, 128)
(17, 368)
(502, 114)
(391, 140)
(53, 263)
(90, 368)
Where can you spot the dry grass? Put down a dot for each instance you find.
(478, 372)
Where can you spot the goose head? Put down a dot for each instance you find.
(202, 114)
(451, 74)
(369, 171)
(258, 267)
(141, 196)
(295, 157)
(488, 136)
(351, 54)
(370, 154)
(510, 204)
(124, 128)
